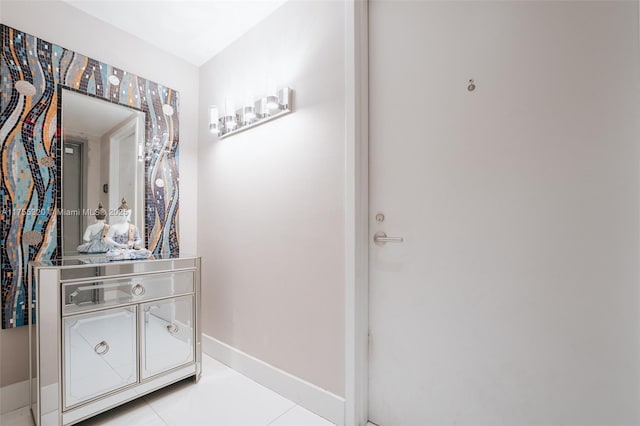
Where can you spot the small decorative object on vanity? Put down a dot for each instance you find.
(103, 333)
(95, 233)
(124, 238)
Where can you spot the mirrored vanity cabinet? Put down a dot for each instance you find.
(104, 333)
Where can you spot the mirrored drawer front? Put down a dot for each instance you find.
(89, 295)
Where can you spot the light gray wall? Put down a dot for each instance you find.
(14, 354)
(59, 23)
(271, 199)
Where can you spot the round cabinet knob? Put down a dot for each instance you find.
(172, 328)
(138, 290)
(101, 348)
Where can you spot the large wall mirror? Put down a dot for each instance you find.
(102, 162)
(75, 132)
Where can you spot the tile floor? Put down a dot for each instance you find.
(223, 397)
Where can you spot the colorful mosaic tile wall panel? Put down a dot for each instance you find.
(33, 72)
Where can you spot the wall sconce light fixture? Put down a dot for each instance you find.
(263, 110)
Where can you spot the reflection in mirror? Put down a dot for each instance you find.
(102, 162)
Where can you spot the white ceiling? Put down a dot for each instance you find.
(190, 29)
(80, 112)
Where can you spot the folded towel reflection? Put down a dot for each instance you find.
(128, 254)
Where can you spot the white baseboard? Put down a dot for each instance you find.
(14, 396)
(303, 393)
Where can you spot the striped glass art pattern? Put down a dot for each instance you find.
(33, 72)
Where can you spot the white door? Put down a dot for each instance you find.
(513, 296)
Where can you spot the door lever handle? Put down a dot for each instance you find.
(380, 238)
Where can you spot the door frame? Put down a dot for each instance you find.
(356, 212)
(84, 159)
(133, 126)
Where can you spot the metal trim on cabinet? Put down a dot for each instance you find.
(53, 304)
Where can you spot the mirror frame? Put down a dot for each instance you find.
(31, 71)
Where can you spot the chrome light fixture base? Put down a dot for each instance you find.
(228, 124)
(264, 110)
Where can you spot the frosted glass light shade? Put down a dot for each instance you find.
(214, 127)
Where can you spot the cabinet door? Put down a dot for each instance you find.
(99, 353)
(167, 328)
